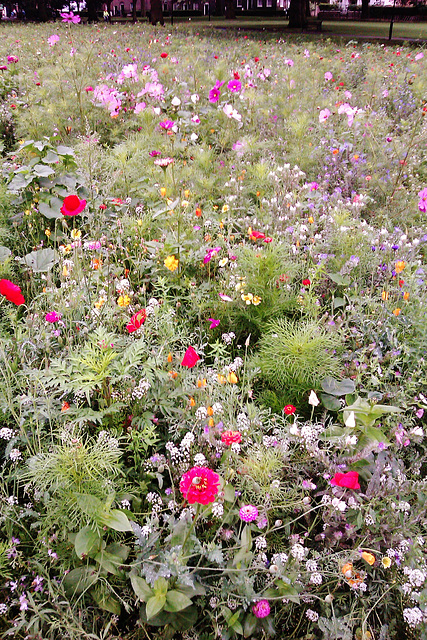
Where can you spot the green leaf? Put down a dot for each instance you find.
(175, 601)
(41, 170)
(250, 625)
(337, 303)
(120, 550)
(5, 253)
(154, 605)
(375, 434)
(49, 212)
(40, 261)
(339, 279)
(338, 387)
(330, 402)
(246, 538)
(80, 579)
(229, 493)
(115, 519)
(62, 150)
(87, 540)
(90, 505)
(105, 601)
(51, 157)
(185, 619)
(161, 586)
(109, 562)
(142, 590)
(286, 591)
(233, 619)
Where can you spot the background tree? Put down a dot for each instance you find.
(297, 14)
(156, 12)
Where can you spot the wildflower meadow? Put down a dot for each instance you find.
(212, 335)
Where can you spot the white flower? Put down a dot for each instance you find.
(351, 420)
(195, 98)
(175, 101)
(313, 399)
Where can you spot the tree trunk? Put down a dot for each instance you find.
(365, 9)
(92, 6)
(230, 10)
(134, 12)
(297, 14)
(156, 12)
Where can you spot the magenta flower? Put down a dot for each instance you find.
(328, 76)
(214, 95)
(422, 204)
(70, 18)
(52, 317)
(261, 609)
(234, 85)
(12, 59)
(154, 154)
(213, 323)
(199, 485)
(167, 125)
(248, 513)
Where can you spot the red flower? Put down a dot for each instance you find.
(72, 206)
(11, 292)
(236, 75)
(200, 485)
(190, 358)
(348, 480)
(163, 55)
(306, 282)
(289, 409)
(257, 235)
(228, 437)
(136, 321)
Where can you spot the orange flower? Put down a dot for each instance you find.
(201, 383)
(169, 358)
(222, 379)
(399, 266)
(346, 568)
(406, 295)
(368, 557)
(396, 312)
(163, 191)
(198, 212)
(65, 407)
(232, 378)
(211, 422)
(192, 402)
(384, 295)
(173, 375)
(209, 411)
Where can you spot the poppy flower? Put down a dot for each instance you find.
(349, 480)
(306, 282)
(136, 321)
(72, 206)
(163, 55)
(11, 292)
(190, 358)
(200, 485)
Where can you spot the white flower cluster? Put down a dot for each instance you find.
(105, 438)
(6, 434)
(415, 576)
(200, 460)
(15, 455)
(413, 617)
(142, 388)
(228, 337)
(243, 422)
(312, 615)
(298, 552)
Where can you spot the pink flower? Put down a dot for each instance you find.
(200, 485)
(248, 513)
(214, 323)
(12, 59)
(261, 609)
(136, 321)
(70, 18)
(167, 125)
(89, 89)
(190, 358)
(214, 95)
(348, 480)
(52, 317)
(11, 292)
(72, 206)
(52, 40)
(229, 437)
(328, 76)
(289, 409)
(324, 115)
(422, 204)
(234, 85)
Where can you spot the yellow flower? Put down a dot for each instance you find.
(396, 312)
(311, 220)
(171, 263)
(386, 562)
(186, 194)
(100, 303)
(256, 300)
(247, 297)
(48, 232)
(384, 295)
(123, 301)
(163, 191)
(399, 266)
(65, 271)
(184, 203)
(76, 234)
(232, 378)
(225, 208)
(406, 295)
(139, 222)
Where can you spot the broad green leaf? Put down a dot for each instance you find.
(62, 150)
(154, 605)
(80, 579)
(175, 601)
(161, 586)
(87, 540)
(5, 253)
(49, 212)
(330, 402)
(246, 538)
(106, 601)
(337, 303)
(90, 505)
(233, 619)
(376, 434)
(120, 550)
(229, 493)
(339, 279)
(250, 625)
(108, 562)
(185, 619)
(40, 261)
(42, 170)
(19, 181)
(338, 387)
(51, 156)
(142, 589)
(116, 520)
(286, 591)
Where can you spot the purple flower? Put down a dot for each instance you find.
(234, 85)
(153, 154)
(261, 609)
(248, 513)
(23, 602)
(419, 413)
(214, 95)
(70, 17)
